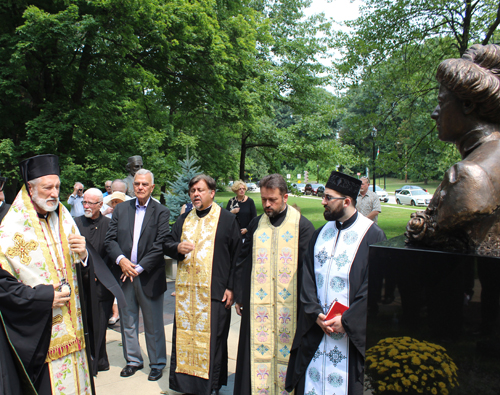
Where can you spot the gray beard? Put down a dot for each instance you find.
(42, 203)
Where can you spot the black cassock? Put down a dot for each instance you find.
(227, 244)
(309, 334)
(242, 384)
(94, 232)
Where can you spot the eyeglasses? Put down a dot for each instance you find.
(80, 190)
(328, 198)
(85, 203)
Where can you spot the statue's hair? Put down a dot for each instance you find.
(475, 77)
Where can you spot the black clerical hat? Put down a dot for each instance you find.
(344, 184)
(39, 166)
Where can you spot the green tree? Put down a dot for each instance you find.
(179, 193)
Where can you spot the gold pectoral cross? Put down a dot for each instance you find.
(22, 248)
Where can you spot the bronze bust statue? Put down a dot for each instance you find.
(133, 166)
(464, 213)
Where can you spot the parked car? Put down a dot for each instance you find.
(382, 194)
(314, 189)
(251, 186)
(409, 187)
(413, 197)
(299, 187)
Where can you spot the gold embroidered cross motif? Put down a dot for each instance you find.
(22, 248)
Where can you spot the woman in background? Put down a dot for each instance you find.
(242, 206)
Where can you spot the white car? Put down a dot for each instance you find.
(251, 187)
(413, 197)
(382, 194)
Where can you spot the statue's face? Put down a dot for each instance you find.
(449, 116)
(135, 165)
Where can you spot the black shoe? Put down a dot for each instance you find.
(130, 370)
(155, 374)
(102, 368)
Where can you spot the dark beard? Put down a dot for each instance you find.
(334, 215)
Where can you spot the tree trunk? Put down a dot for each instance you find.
(242, 157)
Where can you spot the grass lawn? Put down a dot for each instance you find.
(392, 220)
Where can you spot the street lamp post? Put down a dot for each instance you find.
(374, 134)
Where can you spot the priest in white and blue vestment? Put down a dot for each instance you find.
(328, 355)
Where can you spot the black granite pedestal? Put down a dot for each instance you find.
(445, 298)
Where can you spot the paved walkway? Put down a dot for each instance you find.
(110, 382)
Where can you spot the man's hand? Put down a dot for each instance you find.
(331, 326)
(77, 245)
(235, 210)
(128, 269)
(239, 309)
(60, 298)
(336, 324)
(185, 247)
(244, 231)
(228, 298)
(109, 210)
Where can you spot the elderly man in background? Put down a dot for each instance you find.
(107, 185)
(93, 226)
(117, 185)
(75, 200)
(368, 202)
(134, 241)
(40, 250)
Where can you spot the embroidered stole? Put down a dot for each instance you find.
(334, 253)
(273, 302)
(193, 294)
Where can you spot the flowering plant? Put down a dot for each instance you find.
(405, 365)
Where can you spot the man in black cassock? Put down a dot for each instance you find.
(93, 226)
(205, 242)
(328, 355)
(39, 261)
(274, 197)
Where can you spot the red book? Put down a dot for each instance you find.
(336, 309)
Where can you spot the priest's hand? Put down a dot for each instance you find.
(185, 247)
(228, 298)
(77, 245)
(239, 309)
(336, 324)
(325, 325)
(128, 269)
(60, 298)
